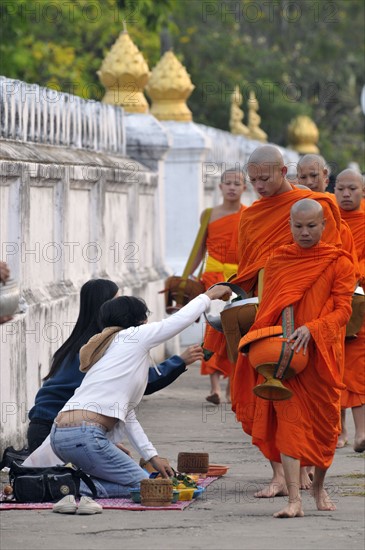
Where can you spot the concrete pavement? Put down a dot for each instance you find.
(228, 516)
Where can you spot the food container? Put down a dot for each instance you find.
(9, 298)
(187, 494)
(195, 463)
(135, 495)
(156, 492)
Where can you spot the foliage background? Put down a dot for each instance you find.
(303, 57)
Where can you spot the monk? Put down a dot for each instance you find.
(220, 243)
(313, 172)
(263, 228)
(303, 430)
(348, 192)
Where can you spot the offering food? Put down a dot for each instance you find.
(182, 481)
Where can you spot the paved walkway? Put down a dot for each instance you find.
(228, 517)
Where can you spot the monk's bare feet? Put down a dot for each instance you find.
(276, 488)
(342, 440)
(359, 443)
(305, 480)
(310, 472)
(323, 501)
(213, 398)
(292, 510)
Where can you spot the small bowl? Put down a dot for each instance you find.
(135, 495)
(198, 491)
(175, 496)
(9, 297)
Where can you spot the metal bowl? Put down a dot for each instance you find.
(9, 298)
(215, 320)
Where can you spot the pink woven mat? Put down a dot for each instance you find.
(109, 503)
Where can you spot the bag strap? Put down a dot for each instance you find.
(89, 482)
(197, 243)
(287, 353)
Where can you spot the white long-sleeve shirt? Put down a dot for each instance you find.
(115, 384)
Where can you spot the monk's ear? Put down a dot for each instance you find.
(284, 171)
(324, 222)
(325, 172)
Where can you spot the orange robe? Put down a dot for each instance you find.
(264, 226)
(221, 244)
(307, 425)
(354, 375)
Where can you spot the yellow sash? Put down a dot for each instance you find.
(212, 264)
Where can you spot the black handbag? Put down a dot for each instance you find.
(47, 484)
(11, 454)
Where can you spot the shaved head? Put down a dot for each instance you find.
(352, 175)
(267, 154)
(349, 188)
(305, 205)
(306, 222)
(312, 159)
(313, 171)
(267, 171)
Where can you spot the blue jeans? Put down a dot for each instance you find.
(87, 447)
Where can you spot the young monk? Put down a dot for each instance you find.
(303, 430)
(263, 228)
(348, 192)
(220, 243)
(313, 172)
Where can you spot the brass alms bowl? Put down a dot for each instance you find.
(271, 355)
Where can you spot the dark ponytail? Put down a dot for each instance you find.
(125, 312)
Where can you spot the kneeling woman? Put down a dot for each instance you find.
(101, 410)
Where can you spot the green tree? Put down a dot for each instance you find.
(300, 58)
(304, 57)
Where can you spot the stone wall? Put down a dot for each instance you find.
(73, 207)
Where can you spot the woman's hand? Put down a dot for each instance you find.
(219, 292)
(192, 354)
(301, 337)
(162, 466)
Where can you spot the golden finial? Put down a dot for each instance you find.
(235, 121)
(169, 87)
(303, 135)
(254, 119)
(124, 73)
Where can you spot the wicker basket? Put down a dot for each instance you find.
(193, 463)
(156, 492)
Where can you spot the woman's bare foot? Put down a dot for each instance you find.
(305, 480)
(323, 501)
(292, 510)
(276, 488)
